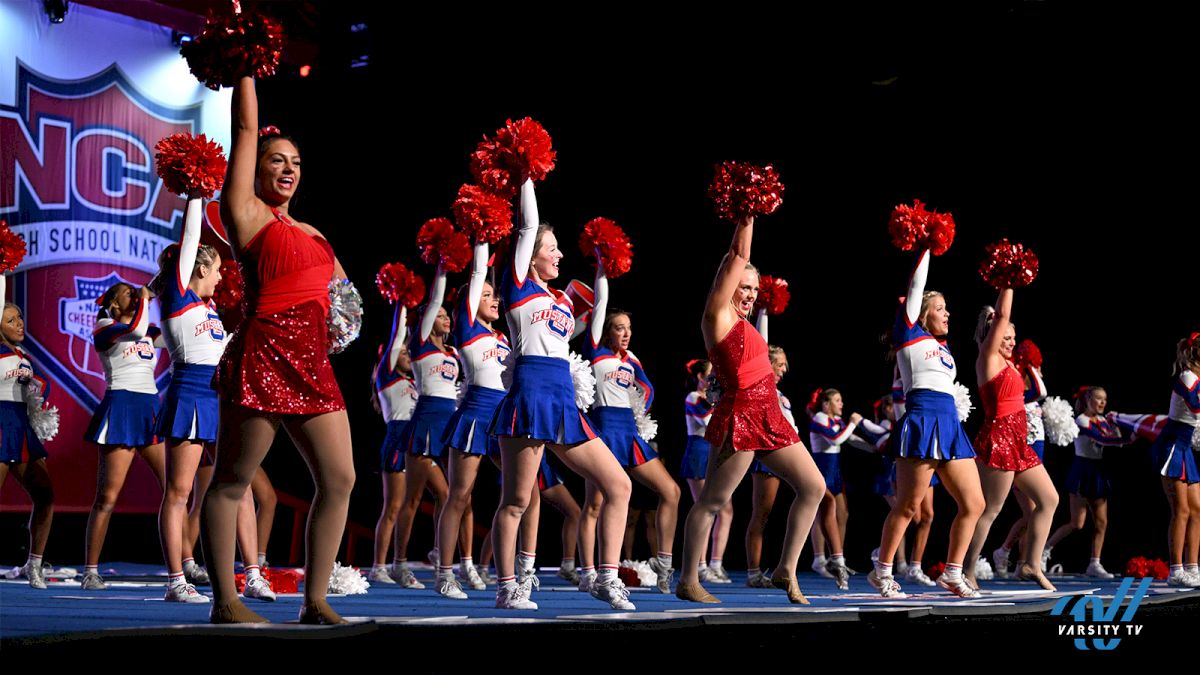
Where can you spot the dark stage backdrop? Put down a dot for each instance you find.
(1015, 122)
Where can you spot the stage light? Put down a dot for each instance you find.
(56, 10)
(179, 39)
(305, 70)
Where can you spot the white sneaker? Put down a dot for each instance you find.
(917, 576)
(664, 573)
(36, 575)
(1097, 571)
(839, 573)
(260, 588)
(1000, 562)
(512, 595)
(708, 576)
(405, 577)
(759, 580)
(195, 574)
(900, 569)
(569, 575)
(529, 578)
(473, 579)
(886, 586)
(92, 581)
(486, 576)
(819, 566)
(586, 580)
(957, 586)
(1045, 558)
(614, 593)
(184, 592)
(722, 577)
(381, 575)
(448, 587)
(435, 558)
(1183, 579)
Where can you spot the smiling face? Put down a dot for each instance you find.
(278, 173)
(546, 257)
(746, 293)
(206, 277)
(12, 325)
(833, 406)
(441, 325)
(1009, 342)
(779, 364)
(1097, 402)
(618, 332)
(404, 361)
(935, 318)
(489, 304)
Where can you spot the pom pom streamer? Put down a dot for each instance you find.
(347, 581)
(233, 46)
(12, 249)
(1058, 418)
(519, 151)
(646, 426)
(441, 245)
(188, 163)
(230, 292)
(604, 236)
(397, 283)
(962, 401)
(740, 189)
(585, 382)
(43, 418)
(345, 315)
(915, 227)
(1008, 265)
(484, 215)
(773, 294)
(455, 252)
(1027, 355)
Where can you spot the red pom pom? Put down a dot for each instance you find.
(233, 46)
(269, 130)
(915, 227)
(1137, 567)
(12, 249)
(773, 294)
(483, 214)
(605, 236)
(431, 236)
(230, 291)
(283, 581)
(519, 150)
(741, 189)
(185, 163)
(455, 252)
(1159, 569)
(1027, 355)
(936, 570)
(1008, 265)
(399, 284)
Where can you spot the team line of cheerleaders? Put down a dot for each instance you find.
(455, 391)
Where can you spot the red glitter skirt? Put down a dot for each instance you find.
(1002, 444)
(279, 363)
(751, 419)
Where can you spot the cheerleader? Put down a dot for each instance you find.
(1175, 458)
(1088, 483)
(697, 411)
(929, 438)
(394, 397)
(1035, 392)
(1005, 457)
(540, 411)
(746, 422)
(827, 433)
(435, 370)
(466, 441)
(618, 372)
(124, 421)
(21, 450)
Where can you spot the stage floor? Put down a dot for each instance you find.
(65, 617)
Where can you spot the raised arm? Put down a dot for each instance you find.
(916, 289)
(437, 295)
(527, 235)
(599, 304)
(133, 331)
(243, 213)
(1037, 386)
(990, 360)
(478, 276)
(760, 324)
(1187, 385)
(729, 274)
(189, 243)
(396, 340)
(822, 425)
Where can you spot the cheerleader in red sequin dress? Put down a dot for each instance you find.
(1002, 450)
(746, 422)
(276, 368)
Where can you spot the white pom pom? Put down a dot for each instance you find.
(345, 315)
(962, 401)
(646, 426)
(983, 570)
(646, 574)
(509, 363)
(43, 418)
(347, 581)
(460, 392)
(1196, 439)
(585, 382)
(1059, 419)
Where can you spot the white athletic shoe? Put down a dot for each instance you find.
(511, 595)
(473, 579)
(36, 575)
(664, 572)
(260, 588)
(614, 593)
(917, 576)
(586, 581)
(957, 586)
(839, 573)
(819, 566)
(195, 574)
(569, 575)
(722, 577)
(448, 587)
(759, 580)
(1097, 571)
(381, 575)
(92, 581)
(184, 592)
(1045, 559)
(886, 586)
(405, 577)
(1000, 562)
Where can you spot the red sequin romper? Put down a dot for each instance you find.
(278, 359)
(1002, 441)
(748, 411)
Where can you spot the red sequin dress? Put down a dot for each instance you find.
(748, 412)
(1002, 441)
(278, 359)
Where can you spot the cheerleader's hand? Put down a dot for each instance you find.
(855, 418)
